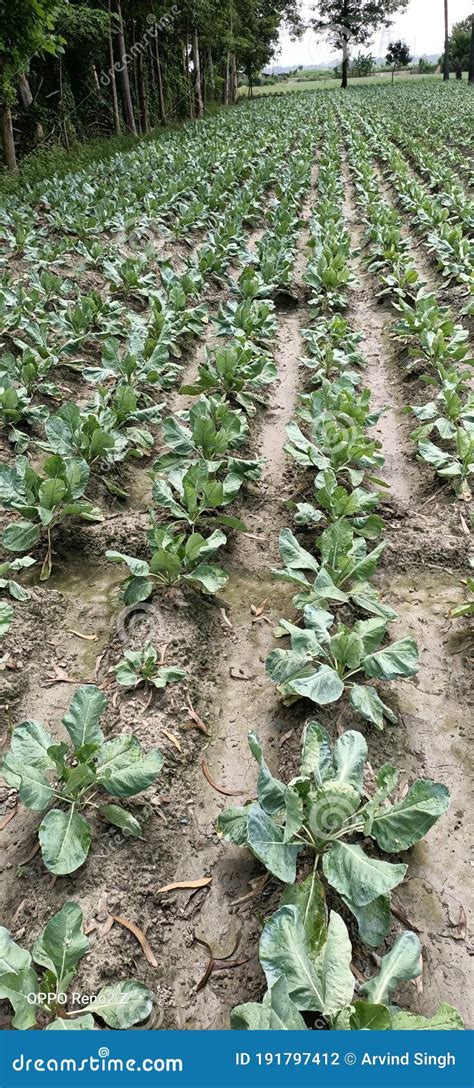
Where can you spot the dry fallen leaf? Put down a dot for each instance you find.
(196, 721)
(88, 638)
(186, 884)
(142, 940)
(225, 618)
(459, 930)
(256, 885)
(174, 740)
(258, 610)
(220, 789)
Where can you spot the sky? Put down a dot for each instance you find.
(421, 25)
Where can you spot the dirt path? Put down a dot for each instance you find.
(434, 738)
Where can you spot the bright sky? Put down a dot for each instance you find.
(421, 25)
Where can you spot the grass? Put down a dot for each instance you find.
(287, 87)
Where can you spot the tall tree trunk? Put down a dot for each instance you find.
(197, 74)
(471, 55)
(160, 81)
(227, 79)
(61, 105)
(138, 120)
(212, 81)
(393, 74)
(345, 46)
(144, 119)
(185, 48)
(446, 43)
(113, 83)
(123, 74)
(233, 78)
(8, 142)
(26, 98)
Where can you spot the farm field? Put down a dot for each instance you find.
(237, 447)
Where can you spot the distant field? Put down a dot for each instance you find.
(332, 81)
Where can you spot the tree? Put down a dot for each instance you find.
(397, 56)
(459, 45)
(446, 43)
(353, 22)
(363, 65)
(471, 53)
(26, 28)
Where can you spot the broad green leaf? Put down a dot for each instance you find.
(82, 718)
(138, 567)
(293, 555)
(123, 769)
(317, 756)
(398, 659)
(366, 1016)
(119, 817)
(266, 840)
(369, 705)
(334, 962)
(13, 958)
(210, 577)
(309, 897)
(137, 590)
(62, 943)
(123, 1004)
(270, 791)
(294, 811)
(30, 743)
(32, 785)
(15, 988)
(400, 826)
(79, 1023)
(357, 876)
(349, 755)
(373, 920)
(277, 1012)
(284, 951)
(232, 824)
(20, 536)
(7, 616)
(446, 1018)
(323, 686)
(65, 839)
(401, 963)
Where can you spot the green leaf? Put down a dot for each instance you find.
(13, 958)
(334, 962)
(358, 877)
(81, 1023)
(65, 839)
(317, 756)
(15, 988)
(366, 1016)
(446, 1018)
(82, 718)
(266, 841)
(401, 963)
(284, 951)
(323, 686)
(210, 577)
(277, 1012)
(62, 943)
(373, 920)
(293, 555)
(119, 817)
(124, 770)
(309, 897)
(369, 705)
(398, 659)
(270, 791)
(349, 755)
(34, 789)
(123, 1004)
(7, 616)
(400, 826)
(232, 824)
(20, 536)
(30, 744)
